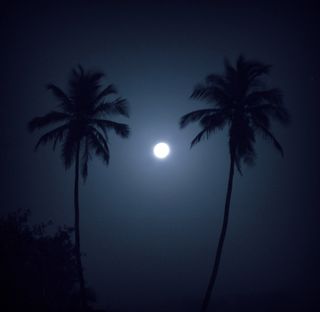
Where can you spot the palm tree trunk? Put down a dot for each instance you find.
(77, 232)
(214, 273)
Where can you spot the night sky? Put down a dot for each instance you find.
(149, 228)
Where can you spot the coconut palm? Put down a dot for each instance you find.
(241, 102)
(82, 131)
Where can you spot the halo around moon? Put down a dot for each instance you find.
(161, 150)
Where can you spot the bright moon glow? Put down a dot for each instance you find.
(161, 150)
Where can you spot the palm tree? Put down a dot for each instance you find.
(239, 100)
(82, 131)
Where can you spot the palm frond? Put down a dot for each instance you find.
(257, 69)
(119, 128)
(110, 89)
(199, 137)
(214, 80)
(213, 93)
(281, 114)
(270, 96)
(99, 144)
(261, 116)
(214, 121)
(200, 92)
(65, 102)
(269, 101)
(77, 72)
(95, 77)
(278, 112)
(221, 97)
(196, 115)
(268, 135)
(55, 135)
(118, 106)
(48, 119)
(249, 73)
(209, 123)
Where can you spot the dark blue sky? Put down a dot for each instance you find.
(149, 228)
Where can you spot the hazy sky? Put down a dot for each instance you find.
(149, 228)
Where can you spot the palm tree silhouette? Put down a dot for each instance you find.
(241, 101)
(82, 131)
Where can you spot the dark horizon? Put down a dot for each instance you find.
(149, 228)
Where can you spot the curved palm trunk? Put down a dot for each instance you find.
(214, 273)
(77, 232)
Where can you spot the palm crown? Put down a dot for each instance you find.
(240, 101)
(82, 128)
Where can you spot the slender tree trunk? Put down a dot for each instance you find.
(214, 273)
(77, 232)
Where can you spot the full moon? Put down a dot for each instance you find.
(161, 150)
